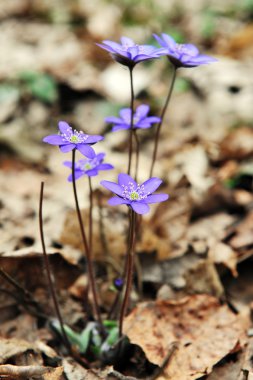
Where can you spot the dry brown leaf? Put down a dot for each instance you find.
(222, 253)
(74, 371)
(243, 233)
(29, 371)
(205, 331)
(238, 144)
(227, 371)
(10, 348)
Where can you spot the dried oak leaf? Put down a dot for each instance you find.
(204, 330)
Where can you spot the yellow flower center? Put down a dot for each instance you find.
(134, 196)
(74, 139)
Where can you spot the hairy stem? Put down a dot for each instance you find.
(130, 151)
(86, 247)
(158, 129)
(48, 271)
(129, 274)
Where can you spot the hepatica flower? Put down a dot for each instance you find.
(140, 119)
(69, 139)
(134, 195)
(89, 167)
(182, 55)
(128, 53)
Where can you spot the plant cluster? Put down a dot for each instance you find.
(101, 335)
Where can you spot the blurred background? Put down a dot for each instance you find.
(50, 67)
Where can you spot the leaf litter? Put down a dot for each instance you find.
(193, 253)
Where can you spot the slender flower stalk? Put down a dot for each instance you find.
(130, 147)
(129, 271)
(86, 246)
(90, 213)
(48, 271)
(158, 129)
(137, 150)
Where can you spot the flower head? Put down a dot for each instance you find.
(140, 119)
(69, 139)
(182, 55)
(118, 283)
(128, 53)
(134, 195)
(89, 167)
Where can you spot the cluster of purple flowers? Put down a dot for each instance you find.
(181, 55)
(127, 191)
(137, 197)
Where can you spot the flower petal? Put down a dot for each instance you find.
(142, 111)
(127, 41)
(112, 186)
(105, 167)
(202, 59)
(156, 198)
(100, 156)
(140, 208)
(53, 140)
(120, 126)
(110, 46)
(86, 150)
(92, 139)
(125, 180)
(151, 185)
(64, 128)
(113, 120)
(78, 174)
(67, 148)
(134, 51)
(143, 124)
(68, 164)
(153, 119)
(125, 114)
(169, 41)
(160, 40)
(115, 201)
(92, 172)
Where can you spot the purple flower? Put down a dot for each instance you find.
(118, 283)
(140, 119)
(69, 139)
(128, 53)
(134, 195)
(89, 167)
(182, 55)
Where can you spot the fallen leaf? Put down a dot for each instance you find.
(204, 330)
(221, 253)
(46, 373)
(238, 144)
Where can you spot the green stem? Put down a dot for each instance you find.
(162, 118)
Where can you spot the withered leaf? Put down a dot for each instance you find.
(205, 331)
